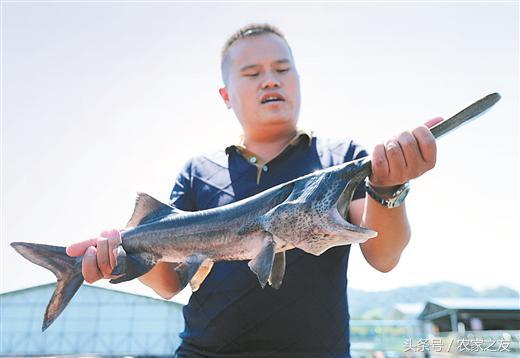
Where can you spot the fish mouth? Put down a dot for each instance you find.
(354, 173)
(357, 233)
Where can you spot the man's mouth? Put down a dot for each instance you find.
(272, 97)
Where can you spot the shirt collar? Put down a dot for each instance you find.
(259, 163)
(301, 134)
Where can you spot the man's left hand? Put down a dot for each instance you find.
(404, 157)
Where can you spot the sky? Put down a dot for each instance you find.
(101, 100)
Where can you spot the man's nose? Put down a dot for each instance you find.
(270, 81)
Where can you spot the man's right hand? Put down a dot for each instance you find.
(100, 258)
(99, 255)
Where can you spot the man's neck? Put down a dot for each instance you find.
(268, 147)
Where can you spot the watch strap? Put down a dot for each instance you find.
(392, 199)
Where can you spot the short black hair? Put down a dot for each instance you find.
(242, 33)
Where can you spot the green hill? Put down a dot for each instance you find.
(379, 304)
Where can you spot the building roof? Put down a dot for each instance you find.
(477, 303)
(410, 309)
(438, 307)
(182, 300)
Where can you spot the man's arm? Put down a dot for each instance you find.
(382, 252)
(163, 279)
(405, 157)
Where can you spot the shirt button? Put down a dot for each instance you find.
(252, 160)
(265, 168)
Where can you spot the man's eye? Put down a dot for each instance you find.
(282, 70)
(251, 74)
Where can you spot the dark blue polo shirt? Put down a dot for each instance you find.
(231, 315)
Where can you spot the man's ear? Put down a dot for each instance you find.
(225, 96)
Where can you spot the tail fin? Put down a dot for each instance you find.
(66, 269)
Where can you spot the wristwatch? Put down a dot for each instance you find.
(388, 197)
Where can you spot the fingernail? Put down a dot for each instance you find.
(90, 251)
(390, 144)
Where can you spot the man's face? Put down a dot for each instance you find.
(263, 86)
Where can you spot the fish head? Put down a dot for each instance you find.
(314, 216)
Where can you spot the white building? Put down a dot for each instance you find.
(97, 320)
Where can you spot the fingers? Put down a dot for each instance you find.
(404, 157)
(431, 122)
(396, 159)
(412, 155)
(111, 240)
(89, 267)
(99, 256)
(427, 146)
(389, 164)
(380, 166)
(79, 248)
(103, 257)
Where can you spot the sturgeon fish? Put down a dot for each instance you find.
(308, 213)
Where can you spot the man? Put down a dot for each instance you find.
(231, 315)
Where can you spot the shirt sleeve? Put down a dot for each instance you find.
(181, 196)
(354, 152)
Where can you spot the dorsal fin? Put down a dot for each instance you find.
(148, 207)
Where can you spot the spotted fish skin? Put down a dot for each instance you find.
(294, 213)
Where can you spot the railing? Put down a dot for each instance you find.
(388, 336)
(405, 339)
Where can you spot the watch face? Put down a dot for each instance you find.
(398, 200)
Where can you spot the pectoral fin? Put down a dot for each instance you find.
(262, 264)
(278, 270)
